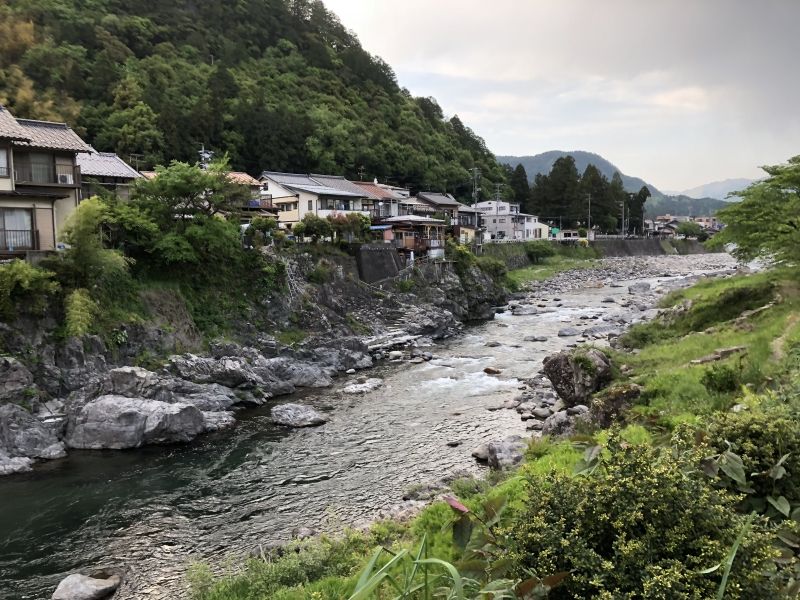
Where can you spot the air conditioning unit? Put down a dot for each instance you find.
(65, 178)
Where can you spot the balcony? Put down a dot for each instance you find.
(5, 171)
(13, 240)
(325, 213)
(66, 175)
(418, 244)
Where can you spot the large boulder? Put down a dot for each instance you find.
(612, 403)
(230, 371)
(81, 587)
(506, 453)
(297, 415)
(117, 422)
(23, 436)
(363, 387)
(15, 380)
(577, 375)
(298, 373)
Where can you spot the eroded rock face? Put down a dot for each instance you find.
(81, 587)
(22, 436)
(230, 371)
(577, 375)
(297, 415)
(15, 380)
(118, 422)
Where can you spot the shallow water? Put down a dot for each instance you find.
(156, 509)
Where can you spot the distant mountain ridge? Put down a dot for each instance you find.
(659, 203)
(718, 189)
(542, 163)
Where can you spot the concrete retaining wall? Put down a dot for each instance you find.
(377, 262)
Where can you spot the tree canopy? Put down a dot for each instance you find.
(766, 223)
(274, 84)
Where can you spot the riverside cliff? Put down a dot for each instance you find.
(158, 381)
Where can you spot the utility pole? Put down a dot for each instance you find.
(476, 174)
(622, 226)
(589, 228)
(497, 188)
(205, 157)
(361, 173)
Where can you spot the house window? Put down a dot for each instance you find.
(4, 162)
(310, 205)
(502, 220)
(16, 229)
(494, 220)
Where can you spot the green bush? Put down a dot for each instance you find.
(539, 250)
(24, 289)
(761, 440)
(642, 525)
(721, 379)
(80, 311)
(494, 268)
(320, 274)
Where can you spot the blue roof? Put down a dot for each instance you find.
(379, 227)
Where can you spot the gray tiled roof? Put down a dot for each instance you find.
(51, 136)
(317, 184)
(105, 164)
(340, 183)
(9, 128)
(438, 199)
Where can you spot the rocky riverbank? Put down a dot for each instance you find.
(89, 394)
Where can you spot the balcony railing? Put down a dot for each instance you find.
(17, 239)
(46, 174)
(4, 172)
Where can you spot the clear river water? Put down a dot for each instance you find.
(157, 509)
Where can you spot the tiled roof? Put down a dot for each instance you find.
(148, 174)
(377, 191)
(468, 209)
(438, 199)
(9, 128)
(318, 184)
(339, 183)
(242, 178)
(51, 136)
(105, 164)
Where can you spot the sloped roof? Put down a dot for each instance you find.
(414, 219)
(339, 183)
(438, 199)
(378, 191)
(105, 164)
(51, 136)
(468, 209)
(321, 185)
(242, 178)
(9, 128)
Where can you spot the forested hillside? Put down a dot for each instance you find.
(275, 84)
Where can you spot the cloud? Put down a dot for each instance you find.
(678, 92)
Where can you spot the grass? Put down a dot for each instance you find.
(291, 337)
(673, 393)
(547, 269)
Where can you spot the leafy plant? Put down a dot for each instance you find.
(80, 313)
(539, 250)
(24, 289)
(721, 379)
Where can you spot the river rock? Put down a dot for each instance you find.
(492, 371)
(481, 453)
(568, 332)
(577, 375)
(15, 380)
(117, 422)
(559, 424)
(81, 587)
(612, 403)
(639, 288)
(297, 415)
(24, 438)
(369, 385)
(229, 371)
(521, 311)
(506, 453)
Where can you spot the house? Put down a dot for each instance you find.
(296, 195)
(105, 171)
(442, 204)
(39, 182)
(504, 221)
(386, 198)
(709, 223)
(468, 225)
(415, 233)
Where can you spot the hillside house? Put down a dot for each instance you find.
(386, 199)
(105, 171)
(39, 182)
(503, 221)
(296, 195)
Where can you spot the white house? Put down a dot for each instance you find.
(504, 221)
(296, 195)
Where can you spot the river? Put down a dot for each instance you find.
(156, 509)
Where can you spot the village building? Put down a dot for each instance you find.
(503, 221)
(296, 195)
(105, 172)
(39, 182)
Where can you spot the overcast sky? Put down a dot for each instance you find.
(678, 92)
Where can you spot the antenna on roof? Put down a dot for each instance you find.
(205, 156)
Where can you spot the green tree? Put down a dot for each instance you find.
(635, 210)
(690, 229)
(314, 227)
(766, 223)
(518, 181)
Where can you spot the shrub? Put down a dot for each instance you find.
(720, 379)
(539, 250)
(496, 269)
(642, 525)
(320, 274)
(81, 311)
(24, 288)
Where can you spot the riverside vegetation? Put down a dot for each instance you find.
(688, 491)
